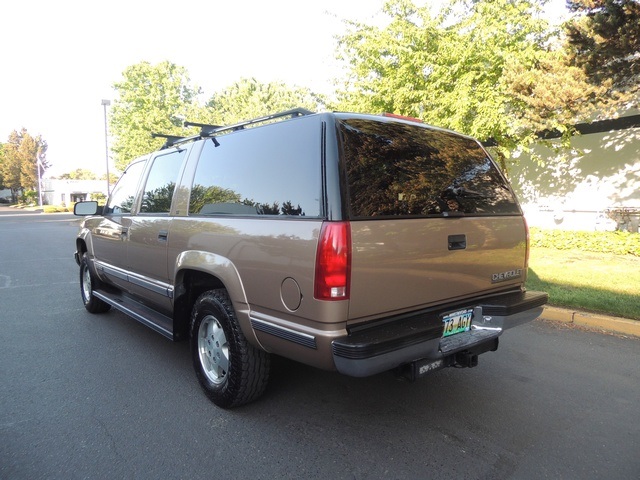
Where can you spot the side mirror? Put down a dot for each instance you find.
(86, 208)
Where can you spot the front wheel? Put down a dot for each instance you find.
(230, 370)
(87, 284)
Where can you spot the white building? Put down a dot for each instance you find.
(63, 192)
(595, 186)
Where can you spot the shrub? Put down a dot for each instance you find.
(30, 197)
(619, 243)
(51, 209)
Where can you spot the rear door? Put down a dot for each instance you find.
(148, 231)
(433, 220)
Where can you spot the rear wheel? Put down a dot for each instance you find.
(87, 284)
(230, 370)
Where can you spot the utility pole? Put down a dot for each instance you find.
(38, 167)
(105, 104)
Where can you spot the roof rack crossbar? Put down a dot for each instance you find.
(208, 130)
(171, 140)
(205, 129)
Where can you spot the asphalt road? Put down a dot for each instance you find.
(101, 396)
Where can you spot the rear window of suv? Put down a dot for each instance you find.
(401, 170)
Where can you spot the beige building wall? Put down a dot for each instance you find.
(594, 186)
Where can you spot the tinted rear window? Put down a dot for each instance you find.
(270, 170)
(396, 169)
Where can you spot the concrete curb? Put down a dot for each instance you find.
(592, 320)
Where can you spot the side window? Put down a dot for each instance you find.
(161, 182)
(124, 193)
(270, 170)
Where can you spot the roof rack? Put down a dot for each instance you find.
(208, 130)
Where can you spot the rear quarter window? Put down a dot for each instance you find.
(402, 170)
(270, 170)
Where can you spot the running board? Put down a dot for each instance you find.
(143, 314)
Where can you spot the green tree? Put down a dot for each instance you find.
(10, 166)
(113, 178)
(23, 158)
(455, 69)
(151, 99)
(603, 38)
(79, 174)
(99, 197)
(247, 99)
(550, 94)
(2, 187)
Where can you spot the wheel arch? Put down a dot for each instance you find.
(81, 248)
(198, 272)
(83, 243)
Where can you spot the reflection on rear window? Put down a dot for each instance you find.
(395, 169)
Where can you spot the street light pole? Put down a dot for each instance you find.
(105, 104)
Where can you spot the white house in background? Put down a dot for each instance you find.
(64, 192)
(595, 186)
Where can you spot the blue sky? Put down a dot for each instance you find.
(60, 58)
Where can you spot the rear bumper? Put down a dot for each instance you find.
(396, 341)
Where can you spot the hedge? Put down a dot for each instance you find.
(619, 243)
(57, 209)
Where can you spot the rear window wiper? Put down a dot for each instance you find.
(463, 192)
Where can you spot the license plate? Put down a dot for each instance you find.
(457, 322)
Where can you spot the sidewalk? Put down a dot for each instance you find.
(592, 320)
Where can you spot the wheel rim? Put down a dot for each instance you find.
(213, 349)
(86, 284)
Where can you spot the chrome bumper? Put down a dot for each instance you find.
(394, 342)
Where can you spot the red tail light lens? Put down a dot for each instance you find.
(333, 262)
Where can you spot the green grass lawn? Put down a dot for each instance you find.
(597, 282)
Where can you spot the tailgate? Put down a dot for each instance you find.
(406, 264)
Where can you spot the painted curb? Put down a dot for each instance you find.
(592, 320)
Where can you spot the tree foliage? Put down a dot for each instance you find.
(79, 174)
(158, 99)
(22, 159)
(603, 38)
(248, 98)
(473, 67)
(2, 187)
(151, 99)
(550, 94)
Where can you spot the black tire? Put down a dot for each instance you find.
(88, 282)
(230, 370)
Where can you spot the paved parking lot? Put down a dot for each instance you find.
(84, 396)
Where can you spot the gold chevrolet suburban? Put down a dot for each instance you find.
(349, 242)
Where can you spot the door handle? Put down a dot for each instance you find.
(124, 232)
(457, 242)
(163, 235)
